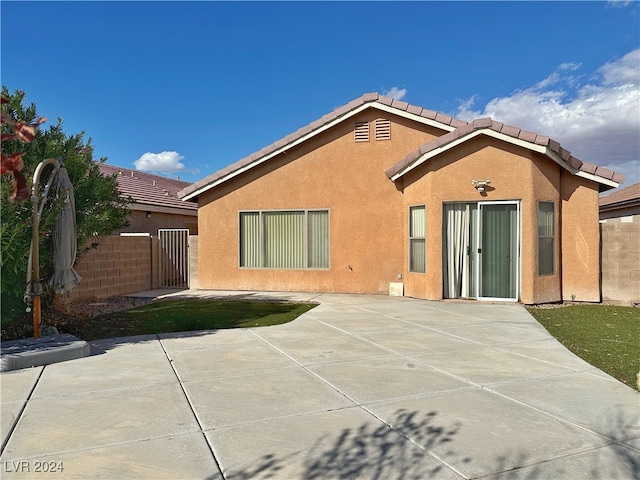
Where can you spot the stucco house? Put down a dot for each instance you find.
(380, 196)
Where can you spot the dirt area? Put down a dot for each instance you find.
(68, 318)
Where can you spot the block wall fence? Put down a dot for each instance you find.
(118, 266)
(620, 256)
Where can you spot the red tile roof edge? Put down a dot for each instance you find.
(626, 196)
(148, 189)
(371, 97)
(511, 131)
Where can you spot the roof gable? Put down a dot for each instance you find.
(510, 134)
(369, 100)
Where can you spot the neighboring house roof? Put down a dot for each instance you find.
(625, 198)
(150, 192)
(458, 131)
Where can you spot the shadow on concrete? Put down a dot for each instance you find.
(405, 450)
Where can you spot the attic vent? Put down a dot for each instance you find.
(361, 132)
(383, 129)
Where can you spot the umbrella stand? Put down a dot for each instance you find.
(34, 287)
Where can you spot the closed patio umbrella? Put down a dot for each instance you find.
(65, 245)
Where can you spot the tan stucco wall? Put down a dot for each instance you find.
(580, 240)
(621, 260)
(139, 223)
(516, 175)
(329, 171)
(369, 213)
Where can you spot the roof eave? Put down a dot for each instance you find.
(192, 195)
(542, 149)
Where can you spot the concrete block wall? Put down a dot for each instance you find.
(118, 266)
(620, 239)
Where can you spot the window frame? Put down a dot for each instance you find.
(414, 238)
(552, 237)
(262, 239)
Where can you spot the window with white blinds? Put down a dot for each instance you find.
(292, 239)
(546, 238)
(417, 239)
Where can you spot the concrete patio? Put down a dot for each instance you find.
(366, 387)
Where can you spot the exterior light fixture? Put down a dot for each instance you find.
(480, 184)
(148, 214)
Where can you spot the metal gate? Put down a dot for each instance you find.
(174, 257)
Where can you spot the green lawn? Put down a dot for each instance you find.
(608, 337)
(185, 315)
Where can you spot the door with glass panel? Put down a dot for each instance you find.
(480, 250)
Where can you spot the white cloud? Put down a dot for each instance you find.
(395, 92)
(165, 162)
(619, 3)
(596, 117)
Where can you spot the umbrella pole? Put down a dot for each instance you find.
(36, 286)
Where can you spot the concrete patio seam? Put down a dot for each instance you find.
(107, 445)
(191, 407)
(407, 356)
(554, 416)
(22, 409)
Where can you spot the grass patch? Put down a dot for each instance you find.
(606, 336)
(169, 316)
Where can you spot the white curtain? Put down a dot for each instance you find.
(456, 266)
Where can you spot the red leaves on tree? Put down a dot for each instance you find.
(12, 165)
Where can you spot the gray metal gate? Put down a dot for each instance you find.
(174, 257)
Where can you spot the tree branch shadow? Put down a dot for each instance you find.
(403, 450)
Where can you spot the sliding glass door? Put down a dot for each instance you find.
(481, 250)
(498, 250)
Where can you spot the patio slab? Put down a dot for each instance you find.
(359, 386)
(347, 443)
(65, 423)
(241, 399)
(479, 433)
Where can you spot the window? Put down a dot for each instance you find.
(284, 239)
(361, 132)
(417, 230)
(546, 238)
(383, 129)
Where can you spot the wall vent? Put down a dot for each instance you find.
(361, 132)
(383, 129)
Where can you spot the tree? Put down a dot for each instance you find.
(99, 208)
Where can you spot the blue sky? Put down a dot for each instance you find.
(186, 88)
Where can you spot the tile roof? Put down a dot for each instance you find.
(626, 197)
(457, 130)
(445, 122)
(553, 148)
(147, 189)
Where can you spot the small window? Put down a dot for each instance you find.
(383, 129)
(546, 238)
(417, 239)
(361, 132)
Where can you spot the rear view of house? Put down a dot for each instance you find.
(381, 196)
